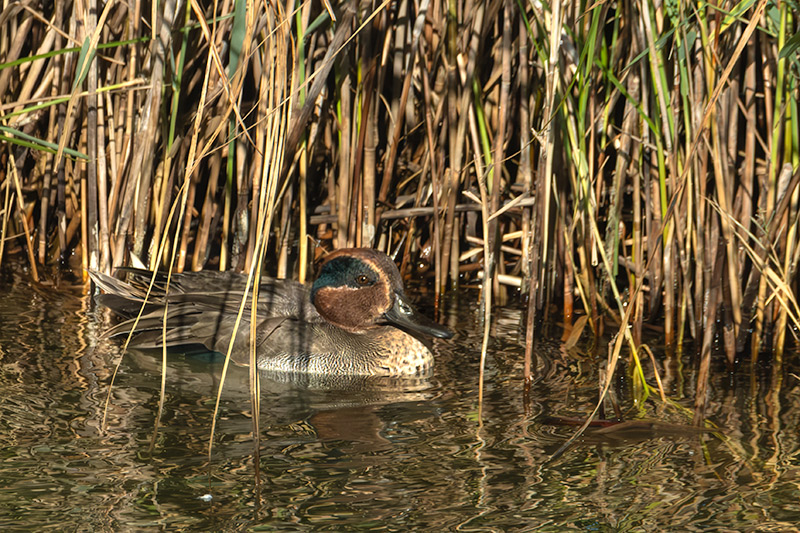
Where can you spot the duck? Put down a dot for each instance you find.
(354, 320)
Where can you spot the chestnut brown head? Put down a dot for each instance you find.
(360, 288)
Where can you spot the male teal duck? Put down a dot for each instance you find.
(354, 319)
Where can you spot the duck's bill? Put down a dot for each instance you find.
(403, 315)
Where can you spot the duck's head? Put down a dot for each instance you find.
(360, 288)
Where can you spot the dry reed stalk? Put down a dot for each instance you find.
(500, 140)
(92, 250)
(436, 189)
(23, 218)
(5, 216)
(208, 211)
(102, 192)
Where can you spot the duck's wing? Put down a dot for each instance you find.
(183, 282)
(216, 291)
(125, 299)
(191, 325)
(200, 308)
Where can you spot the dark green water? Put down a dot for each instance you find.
(371, 455)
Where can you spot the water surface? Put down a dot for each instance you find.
(374, 454)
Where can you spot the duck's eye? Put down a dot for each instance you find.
(362, 280)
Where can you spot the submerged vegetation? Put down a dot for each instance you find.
(622, 162)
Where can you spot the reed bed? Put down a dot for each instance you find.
(623, 163)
